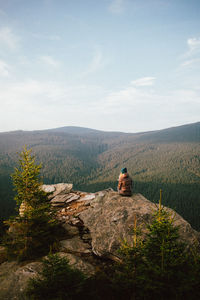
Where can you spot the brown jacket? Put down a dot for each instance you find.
(125, 185)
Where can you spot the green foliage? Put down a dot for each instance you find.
(33, 232)
(26, 179)
(160, 267)
(57, 280)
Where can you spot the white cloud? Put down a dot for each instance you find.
(8, 39)
(50, 61)
(134, 109)
(34, 104)
(193, 43)
(190, 62)
(116, 6)
(193, 49)
(144, 81)
(4, 69)
(96, 63)
(28, 94)
(34, 94)
(127, 100)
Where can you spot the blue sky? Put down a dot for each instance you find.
(114, 65)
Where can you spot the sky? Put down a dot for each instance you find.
(112, 65)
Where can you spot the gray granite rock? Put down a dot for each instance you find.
(87, 197)
(72, 198)
(75, 245)
(48, 188)
(60, 198)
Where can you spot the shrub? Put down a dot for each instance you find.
(57, 280)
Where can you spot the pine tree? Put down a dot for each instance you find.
(26, 179)
(32, 232)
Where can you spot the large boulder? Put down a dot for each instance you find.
(110, 220)
(105, 219)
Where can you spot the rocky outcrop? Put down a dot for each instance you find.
(105, 218)
(95, 225)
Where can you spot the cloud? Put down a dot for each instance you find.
(96, 63)
(4, 69)
(128, 99)
(131, 99)
(34, 94)
(34, 104)
(8, 39)
(50, 61)
(193, 48)
(116, 6)
(193, 43)
(134, 109)
(190, 62)
(144, 81)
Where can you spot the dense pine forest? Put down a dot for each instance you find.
(168, 159)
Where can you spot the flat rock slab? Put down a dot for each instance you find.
(56, 189)
(48, 188)
(87, 197)
(60, 198)
(73, 197)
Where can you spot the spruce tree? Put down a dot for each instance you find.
(166, 257)
(32, 232)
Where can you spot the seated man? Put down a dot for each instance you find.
(125, 183)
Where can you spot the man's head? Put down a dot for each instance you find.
(124, 170)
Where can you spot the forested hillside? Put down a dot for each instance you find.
(92, 159)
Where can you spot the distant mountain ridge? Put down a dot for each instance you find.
(188, 132)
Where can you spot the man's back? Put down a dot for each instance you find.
(125, 185)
